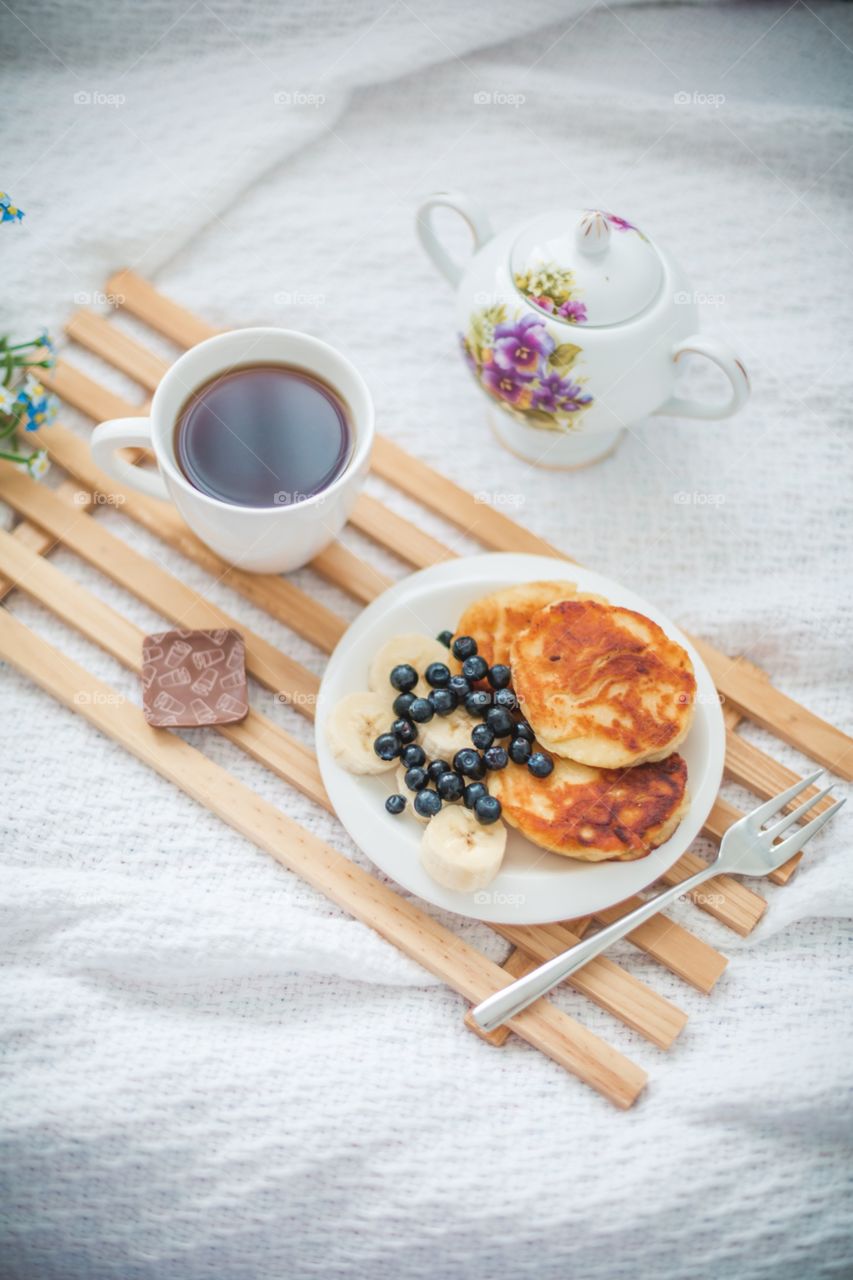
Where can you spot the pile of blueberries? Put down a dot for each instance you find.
(461, 779)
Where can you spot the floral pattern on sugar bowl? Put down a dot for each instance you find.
(519, 363)
(573, 324)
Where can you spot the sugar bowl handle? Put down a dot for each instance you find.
(481, 229)
(726, 361)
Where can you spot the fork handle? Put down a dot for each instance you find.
(510, 1000)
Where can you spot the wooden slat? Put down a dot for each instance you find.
(402, 537)
(606, 983)
(602, 981)
(517, 964)
(77, 389)
(775, 711)
(142, 300)
(103, 626)
(398, 920)
(766, 777)
(155, 586)
(36, 539)
(97, 335)
(667, 942)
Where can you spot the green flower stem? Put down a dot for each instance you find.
(14, 457)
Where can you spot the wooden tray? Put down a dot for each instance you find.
(52, 516)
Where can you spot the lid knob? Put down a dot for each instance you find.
(593, 233)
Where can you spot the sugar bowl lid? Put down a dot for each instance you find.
(585, 266)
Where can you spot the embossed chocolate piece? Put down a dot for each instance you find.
(192, 678)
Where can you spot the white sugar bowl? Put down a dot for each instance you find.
(573, 325)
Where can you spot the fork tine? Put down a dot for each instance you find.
(795, 842)
(769, 810)
(795, 815)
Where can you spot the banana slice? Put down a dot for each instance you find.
(419, 651)
(443, 736)
(459, 852)
(352, 728)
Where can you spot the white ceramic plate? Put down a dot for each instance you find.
(533, 886)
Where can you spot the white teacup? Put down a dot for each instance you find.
(259, 539)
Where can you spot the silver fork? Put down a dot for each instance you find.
(747, 849)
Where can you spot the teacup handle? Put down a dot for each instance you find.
(127, 433)
(725, 360)
(481, 229)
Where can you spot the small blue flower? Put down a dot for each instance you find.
(39, 405)
(9, 212)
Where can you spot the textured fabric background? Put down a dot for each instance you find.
(209, 1072)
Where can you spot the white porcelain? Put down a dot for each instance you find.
(533, 886)
(611, 358)
(258, 539)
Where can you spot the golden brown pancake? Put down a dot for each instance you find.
(602, 685)
(595, 815)
(495, 620)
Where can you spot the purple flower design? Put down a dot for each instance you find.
(574, 312)
(554, 394)
(621, 224)
(520, 346)
(507, 384)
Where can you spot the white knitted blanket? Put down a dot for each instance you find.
(209, 1073)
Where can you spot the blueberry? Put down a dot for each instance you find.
(540, 765)
(404, 677)
(505, 698)
(463, 647)
(495, 758)
(523, 730)
(395, 804)
(450, 786)
(470, 763)
(499, 675)
(487, 809)
(413, 755)
(402, 702)
(416, 778)
(444, 637)
(443, 701)
(438, 675)
(460, 686)
(436, 769)
(519, 750)
(427, 803)
(475, 668)
(387, 746)
(472, 793)
(499, 719)
(421, 710)
(482, 736)
(478, 702)
(404, 730)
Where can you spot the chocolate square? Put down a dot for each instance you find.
(192, 678)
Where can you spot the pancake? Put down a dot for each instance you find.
(602, 685)
(495, 620)
(595, 815)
